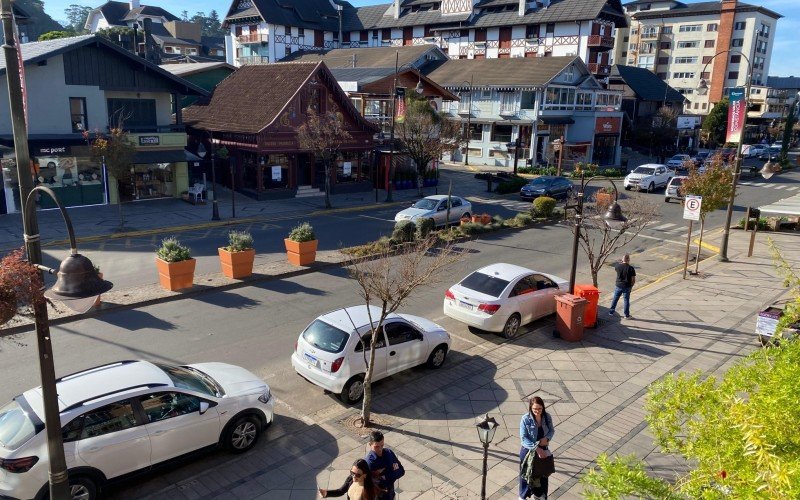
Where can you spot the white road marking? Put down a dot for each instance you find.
(376, 218)
(663, 226)
(307, 420)
(780, 186)
(793, 188)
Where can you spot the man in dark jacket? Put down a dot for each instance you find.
(384, 464)
(626, 277)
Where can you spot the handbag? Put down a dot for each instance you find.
(543, 467)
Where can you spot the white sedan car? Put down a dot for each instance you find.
(676, 161)
(331, 353)
(435, 207)
(128, 416)
(501, 297)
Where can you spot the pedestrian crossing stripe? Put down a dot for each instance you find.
(793, 188)
(780, 186)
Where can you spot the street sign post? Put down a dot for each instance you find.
(691, 212)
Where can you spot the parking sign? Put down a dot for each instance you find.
(691, 207)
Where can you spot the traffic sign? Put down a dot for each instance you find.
(691, 207)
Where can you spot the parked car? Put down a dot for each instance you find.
(770, 153)
(330, 351)
(128, 416)
(649, 176)
(435, 207)
(754, 150)
(700, 158)
(547, 185)
(673, 188)
(502, 297)
(676, 162)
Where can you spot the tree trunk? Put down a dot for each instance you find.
(420, 182)
(119, 205)
(328, 185)
(367, 403)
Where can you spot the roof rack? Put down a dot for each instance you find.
(96, 368)
(101, 396)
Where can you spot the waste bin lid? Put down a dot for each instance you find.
(570, 299)
(587, 290)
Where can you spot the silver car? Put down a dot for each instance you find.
(673, 188)
(435, 207)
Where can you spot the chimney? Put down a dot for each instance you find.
(522, 7)
(134, 4)
(396, 9)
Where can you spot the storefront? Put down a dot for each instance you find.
(606, 140)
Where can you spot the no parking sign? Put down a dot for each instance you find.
(691, 207)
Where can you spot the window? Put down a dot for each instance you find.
(301, 32)
(501, 133)
(164, 405)
(484, 283)
(366, 340)
(508, 101)
(542, 282)
(733, 75)
(77, 110)
(663, 60)
(689, 44)
(737, 42)
(705, 105)
(686, 60)
(357, 102)
(683, 74)
(736, 59)
(551, 28)
(696, 105)
(667, 30)
(184, 377)
(663, 76)
(665, 45)
(705, 75)
(764, 30)
(326, 337)
(528, 100)
(645, 62)
(112, 418)
(712, 27)
(138, 114)
(475, 131)
(400, 333)
(740, 25)
(707, 59)
(686, 28)
(709, 44)
(686, 91)
(486, 93)
(525, 285)
(498, 153)
(532, 31)
(17, 427)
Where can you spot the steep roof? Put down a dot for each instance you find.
(558, 11)
(311, 14)
(34, 52)
(150, 10)
(513, 72)
(113, 12)
(370, 57)
(680, 9)
(646, 84)
(186, 69)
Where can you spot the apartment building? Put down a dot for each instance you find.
(678, 42)
(264, 31)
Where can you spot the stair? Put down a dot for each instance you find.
(308, 192)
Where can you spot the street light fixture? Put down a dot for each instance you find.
(613, 219)
(486, 429)
(418, 89)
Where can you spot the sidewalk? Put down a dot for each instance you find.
(594, 390)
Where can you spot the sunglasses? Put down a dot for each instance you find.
(356, 474)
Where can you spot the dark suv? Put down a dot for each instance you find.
(547, 185)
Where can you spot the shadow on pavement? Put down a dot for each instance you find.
(228, 300)
(134, 319)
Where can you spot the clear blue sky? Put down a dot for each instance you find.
(784, 56)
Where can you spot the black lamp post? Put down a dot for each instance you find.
(469, 119)
(612, 218)
(201, 151)
(486, 429)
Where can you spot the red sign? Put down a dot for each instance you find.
(607, 125)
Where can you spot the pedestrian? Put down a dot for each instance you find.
(386, 467)
(535, 431)
(359, 485)
(626, 277)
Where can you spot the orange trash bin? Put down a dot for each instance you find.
(570, 310)
(592, 295)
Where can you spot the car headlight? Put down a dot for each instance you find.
(264, 398)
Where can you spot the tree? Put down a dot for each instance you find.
(76, 16)
(185, 16)
(788, 126)
(599, 242)
(323, 135)
(21, 286)
(716, 122)
(714, 185)
(54, 35)
(664, 131)
(116, 150)
(215, 25)
(114, 33)
(40, 21)
(425, 134)
(387, 281)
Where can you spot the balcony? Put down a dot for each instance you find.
(252, 38)
(605, 42)
(599, 69)
(246, 60)
(507, 110)
(649, 35)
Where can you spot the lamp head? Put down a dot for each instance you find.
(769, 169)
(419, 89)
(78, 284)
(702, 88)
(613, 217)
(486, 429)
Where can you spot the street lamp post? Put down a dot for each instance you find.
(486, 429)
(612, 217)
(702, 89)
(469, 119)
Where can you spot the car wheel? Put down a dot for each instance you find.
(627, 188)
(511, 327)
(243, 434)
(666, 199)
(353, 390)
(82, 488)
(436, 359)
(651, 187)
(467, 215)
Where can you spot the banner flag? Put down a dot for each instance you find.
(736, 115)
(400, 116)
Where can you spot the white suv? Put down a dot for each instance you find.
(649, 176)
(128, 416)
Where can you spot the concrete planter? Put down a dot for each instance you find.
(176, 275)
(237, 265)
(301, 253)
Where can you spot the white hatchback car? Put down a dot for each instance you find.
(673, 188)
(501, 297)
(330, 351)
(435, 207)
(126, 417)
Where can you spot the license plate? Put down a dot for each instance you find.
(466, 305)
(311, 359)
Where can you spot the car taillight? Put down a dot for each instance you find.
(489, 308)
(449, 295)
(18, 465)
(337, 364)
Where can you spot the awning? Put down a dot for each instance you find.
(557, 120)
(163, 156)
(786, 206)
(519, 122)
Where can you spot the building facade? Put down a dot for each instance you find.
(264, 31)
(678, 41)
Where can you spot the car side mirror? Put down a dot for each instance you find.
(442, 208)
(204, 406)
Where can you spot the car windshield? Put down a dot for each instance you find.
(186, 377)
(15, 426)
(678, 157)
(484, 283)
(676, 181)
(426, 204)
(326, 337)
(644, 170)
(539, 181)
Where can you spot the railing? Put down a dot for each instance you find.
(252, 38)
(245, 60)
(599, 69)
(508, 110)
(601, 41)
(649, 35)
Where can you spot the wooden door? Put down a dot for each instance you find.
(505, 37)
(408, 35)
(319, 39)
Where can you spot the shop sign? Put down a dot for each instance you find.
(607, 125)
(688, 122)
(149, 140)
(276, 173)
(51, 150)
(348, 168)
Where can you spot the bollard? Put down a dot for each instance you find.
(489, 182)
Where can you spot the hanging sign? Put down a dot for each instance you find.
(276, 173)
(400, 115)
(736, 115)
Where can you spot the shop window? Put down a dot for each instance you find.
(352, 167)
(475, 131)
(275, 171)
(501, 133)
(135, 114)
(77, 110)
(152, 180)
(497, 153)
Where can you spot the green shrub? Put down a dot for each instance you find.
(523, 219)
(543, 206)
(239, 241)
(404, 231)
(450, 234)
(473, 228)
(424, 227)
(302, 232)
(762, 223)
(512, 185)
(172, 251)
(614, 172)
(498, 219)
(371, 248)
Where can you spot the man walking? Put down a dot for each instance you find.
(384, 464)
(626, 277)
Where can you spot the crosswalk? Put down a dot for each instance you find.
(518, 205)
(779, 187)
(672, 228)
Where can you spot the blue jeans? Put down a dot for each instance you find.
(626, 299)
(526, 491)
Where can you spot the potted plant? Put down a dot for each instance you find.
(301, 245)
(604, 196)
(237, 258)
(476, 218)
(465, 220)
(486, 218)
(175, 265)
